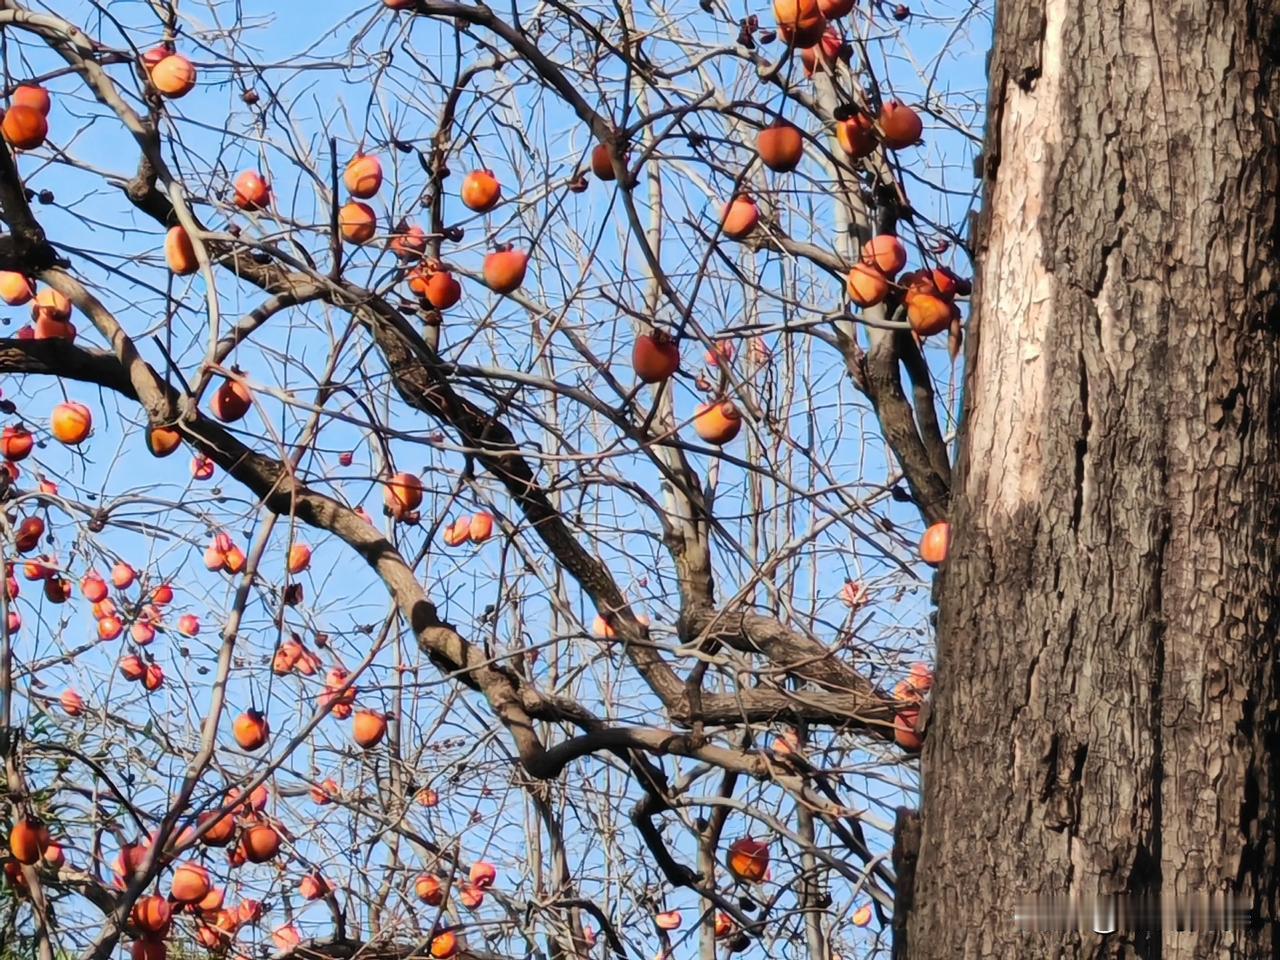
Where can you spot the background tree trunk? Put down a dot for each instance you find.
(1105, 715)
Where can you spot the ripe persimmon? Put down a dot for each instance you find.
(886, 252)
(153, 677)
(34, 96)
(717, 422)
(323, 793)
(748, 859)
(803, 33)
(900, 125)
(867, 286)
(905, 733)
(429, 890)
(740, 217)
(93, 587)
(152, 914)
(190, 883)
(16, 443)
(233, 561)
(480, 528)
(601, 162)
(857, 136)
(357, 222)
(299, 558)
(24, 127)
(363, 176)
(27, 537)
(936, 543)
(261, 842)
(369, 728)
(800, 22)
(15, 288)
(444, 945)
(781, 146)
(180, 252)
(312, 887)
(655, 356)
(402, 494)
(174, 76)
(483, 874)
(442, 290)
(231, 401)
(54, 856)
(250, 729)
(251, 191)
(927, 312)
(162, 441)
(481, 191)
(504, 270)
(409, 243)
(27, 840)
(70, 422)
(220, 828)
(123, 575)
(48, 327)
(286, 938)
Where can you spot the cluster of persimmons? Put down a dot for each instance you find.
(241, 825)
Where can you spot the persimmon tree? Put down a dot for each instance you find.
(461, 493)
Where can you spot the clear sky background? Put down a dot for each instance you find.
(363, 76)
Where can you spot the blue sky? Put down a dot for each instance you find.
(361, 75)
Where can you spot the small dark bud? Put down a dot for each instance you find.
(45, 197)
(901, 12)
(250, 97)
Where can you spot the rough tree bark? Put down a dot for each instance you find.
(1105, 712)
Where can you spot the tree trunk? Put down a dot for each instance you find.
(1104, 718)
